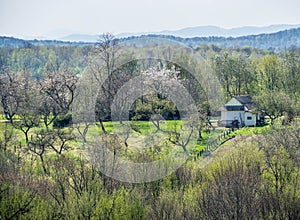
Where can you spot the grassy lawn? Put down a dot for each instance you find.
(141, 133)
(250, 131)
(142, 127)
(144, 134)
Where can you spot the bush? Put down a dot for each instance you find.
(63, 121)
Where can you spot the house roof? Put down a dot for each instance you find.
(246, 100)
(234, 102)
(239, 103)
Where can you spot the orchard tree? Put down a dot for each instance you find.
(11, 93)
(60, 87)
(158, 105)
(57, 91)
(20, 97)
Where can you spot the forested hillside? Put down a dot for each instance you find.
(278, 41)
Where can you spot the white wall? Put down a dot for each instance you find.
(248, 121)
(248, 118)
(232, 115)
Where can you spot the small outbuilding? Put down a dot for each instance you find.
(238, 112)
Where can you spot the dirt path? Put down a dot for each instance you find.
(5, 121)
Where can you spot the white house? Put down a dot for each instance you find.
(238, 112)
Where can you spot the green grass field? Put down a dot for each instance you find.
(142, 135)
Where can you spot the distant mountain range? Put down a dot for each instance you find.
(190, 32)
(214, 31)
(278, 41)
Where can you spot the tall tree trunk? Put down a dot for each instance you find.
(102, 125)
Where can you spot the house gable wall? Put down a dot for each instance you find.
(250, 119)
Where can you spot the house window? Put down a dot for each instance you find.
(249, 118)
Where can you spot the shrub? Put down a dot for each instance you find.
(63, 121)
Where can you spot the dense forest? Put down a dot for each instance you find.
(51, 166)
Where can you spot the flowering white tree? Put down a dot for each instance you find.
(156, 104)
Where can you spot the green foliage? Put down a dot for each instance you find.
(236, 74)
(251, 131)
(14, 201)
(246, 181)
(274, 104)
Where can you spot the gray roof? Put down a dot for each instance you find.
(239, 103)
(246, 100)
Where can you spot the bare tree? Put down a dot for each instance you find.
(38, 145)
(111, 67)
(23, 103)
(107, 50)
(58, 93)
(60, 139)
(11, 94)
(182, 137)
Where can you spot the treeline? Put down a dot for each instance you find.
(264, 74)
(276, 41)
(43, 59)
(281, 40)
(11, 42)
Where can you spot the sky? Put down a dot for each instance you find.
(57, 18)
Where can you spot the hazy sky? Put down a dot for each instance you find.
(60, 17)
